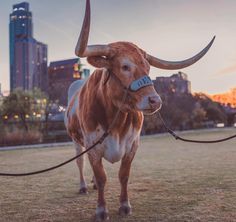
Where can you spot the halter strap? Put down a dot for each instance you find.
(135, 85)
(140, 83)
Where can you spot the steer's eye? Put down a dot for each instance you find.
(125, 68)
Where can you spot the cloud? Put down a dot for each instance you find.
(50, 26)
(227, 71)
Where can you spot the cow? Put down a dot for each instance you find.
(120, 82)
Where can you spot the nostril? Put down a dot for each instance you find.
(152, 100)
(155, 101)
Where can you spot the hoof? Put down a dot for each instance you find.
(102, 216)
(83, 190)
(125, 210)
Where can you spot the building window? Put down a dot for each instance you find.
(76, 67)
(76, 75)
(13, 17)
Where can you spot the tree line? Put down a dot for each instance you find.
(186, 111)
(22, 111)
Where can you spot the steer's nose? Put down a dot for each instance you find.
(155, 102)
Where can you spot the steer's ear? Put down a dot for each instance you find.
(98, 61)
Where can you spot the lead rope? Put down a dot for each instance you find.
(177, 137)
(100, 141)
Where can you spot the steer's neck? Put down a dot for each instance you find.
(99, 102)
(111, 98)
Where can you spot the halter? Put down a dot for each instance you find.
(135, 85)
(140, 83)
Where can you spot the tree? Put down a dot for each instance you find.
(198, 115)
(185, 111)
(22, 105)
(214, 111)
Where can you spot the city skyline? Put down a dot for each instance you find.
(172, 30)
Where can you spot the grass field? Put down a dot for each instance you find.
(170, 181)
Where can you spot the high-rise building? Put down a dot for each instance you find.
(28, 57)
(41, 74)
(61, 75)
(177, 84)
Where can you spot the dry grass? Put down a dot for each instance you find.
(170, 181)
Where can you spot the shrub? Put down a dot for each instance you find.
(20, 137)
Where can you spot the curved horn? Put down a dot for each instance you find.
(162, 64)
(81, 49)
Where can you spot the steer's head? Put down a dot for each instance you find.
(129, 65)
(129, 69)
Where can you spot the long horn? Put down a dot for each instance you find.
(81, 49)
(162, 64)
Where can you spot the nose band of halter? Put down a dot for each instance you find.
(140, 83)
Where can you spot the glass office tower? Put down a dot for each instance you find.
(28, 57)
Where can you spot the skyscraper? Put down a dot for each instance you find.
(28, 57)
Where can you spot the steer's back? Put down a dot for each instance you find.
(71, 121)
(74, 87)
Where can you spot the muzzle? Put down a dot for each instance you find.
(136, 85)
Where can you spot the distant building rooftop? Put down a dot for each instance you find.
(64, 62)
(21, 6)
(177, 83)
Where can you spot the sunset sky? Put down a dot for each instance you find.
(168, 29)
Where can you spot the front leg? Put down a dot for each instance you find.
(100, 176)
(125, 207)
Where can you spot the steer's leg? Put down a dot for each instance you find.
(94, 183)
(100, 175)
(125, 207)
(80, 163)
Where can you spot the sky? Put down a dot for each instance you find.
(167, 29)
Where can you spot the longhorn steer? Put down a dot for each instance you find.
(94, 103)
